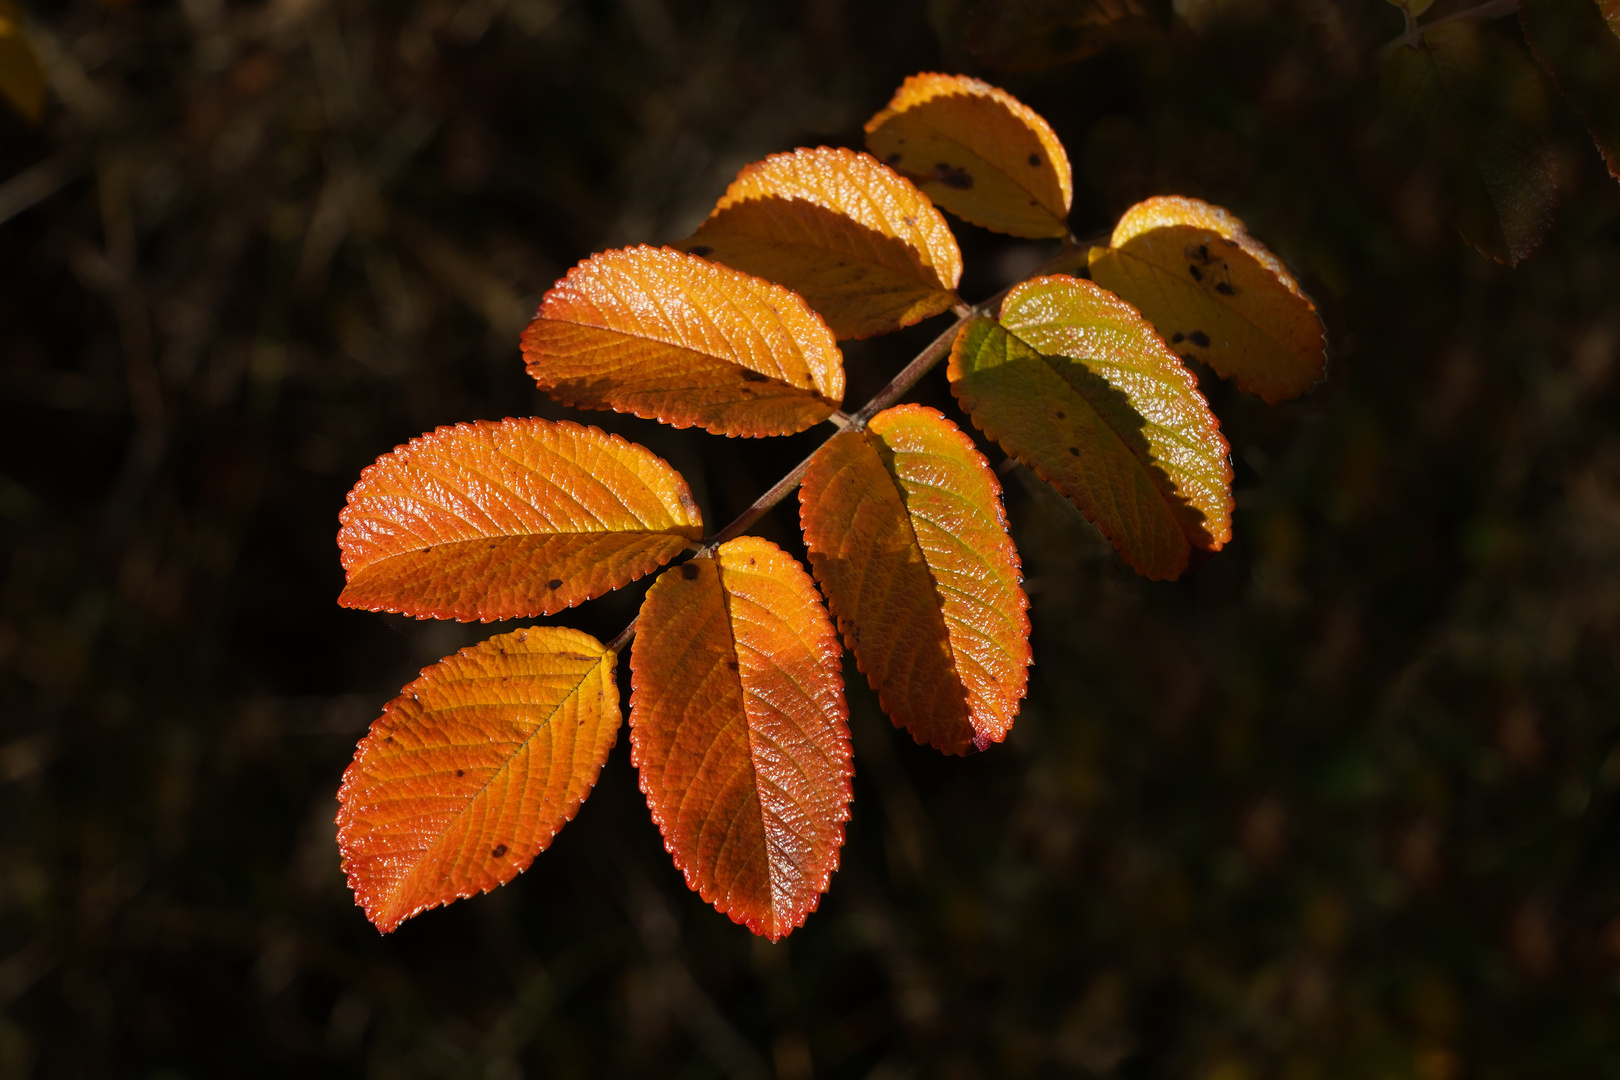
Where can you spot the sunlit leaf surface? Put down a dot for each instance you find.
(674, 337)
(516, 518)
(739, 729)
(471, 771)
(1076, 384)
(908, 539)
(977, 151)
(1215, 293)
(859, 242)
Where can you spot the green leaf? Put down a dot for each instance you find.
(1074, 383)
(1483, 108)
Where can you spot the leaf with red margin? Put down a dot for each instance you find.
(510, 519)
(672, 337)
(908, 539)
(740, 733)
(1074, 383)
(857, 240)
(978, 152)
(471, 771)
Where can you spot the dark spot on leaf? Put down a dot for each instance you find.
(754, 376)
(750, 562)
(427, 549)
(895, 158)
(1061, 415)
(689, 571)
(1225, 289)
(460, 772)
(1203, 252)
(953, 177)
(1197, 274)
(1199, 338)
(554, 583)
(1177, 339)
(700, 249)
(1074, 451)
(1032, 202)
(732, 664)
(498, 851)
(1034, 159)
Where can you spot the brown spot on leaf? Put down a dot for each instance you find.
(1197, 274)
(733, 665)
(1074, 451)
(554, 583)
(754, 376)
(700, 249)
(1061, 415)
(1225, 288)
(1035, 159)
(952, 176)
(461, 772)
(1177, 339)
(497, 851)
(1199, 338)
(895, 158)
(689, 571)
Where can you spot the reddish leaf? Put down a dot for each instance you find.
(908, 540)
(471, 771)
(516, 518)
(673, 337)
(1077, 385)
(977, 151)
(1215, 293)
(865, 248)
(739, 729)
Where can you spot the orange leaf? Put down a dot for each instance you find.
(863, 246)
(471, 771)
(907, 536)
(739, 729)
(977, 151)
(672, 337)
(1215, 293)
(1076, 385)
(501, 520)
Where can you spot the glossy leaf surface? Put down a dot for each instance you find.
(673, 337)
(471, 771)
(1484, 111)
(516, 518)
(1579, 43)
(908, 539)
(1026, 35)
(22, 78)
(1076, 384)
(1216, 293)
(859, 242)
(977, 151)
(740, 733)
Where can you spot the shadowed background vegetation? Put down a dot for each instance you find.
(1340, 803)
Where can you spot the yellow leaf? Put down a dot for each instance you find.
(673, 337)
(1215, 293)
(859, 242)
(977, 151)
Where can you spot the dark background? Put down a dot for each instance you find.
(1340, 803)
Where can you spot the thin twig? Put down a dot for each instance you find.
(1491, 9)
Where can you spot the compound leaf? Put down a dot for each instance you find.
(471, 771)
(1483, 108)
(1077, 385)
(1026, 35)
(1579, 44)
(673, 337)
(740, 733)
(516, 518)
(859, 242)
(908, 539)
(977, 151)
(1215, 293)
